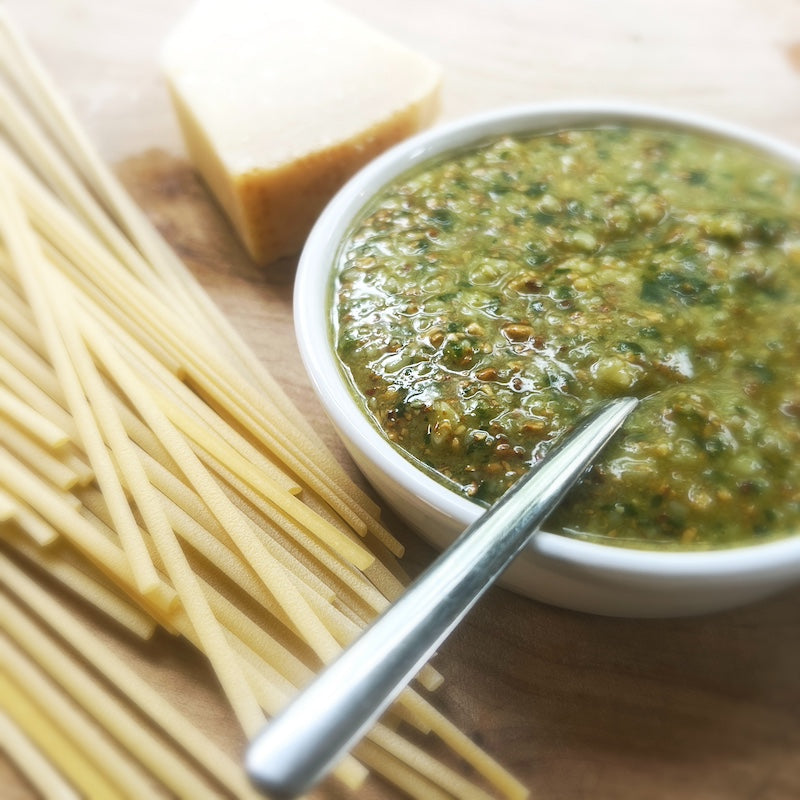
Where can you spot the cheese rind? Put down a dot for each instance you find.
(280, 103)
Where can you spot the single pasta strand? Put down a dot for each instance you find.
(66, 354)
(8, 506)
(13, 309)
(38, 426)
(126, 778)
(385, 537)
(41, 533)
(59, 747)
(33, 764)
(42, 460)
(75, 459)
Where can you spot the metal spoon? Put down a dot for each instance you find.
(308, 738)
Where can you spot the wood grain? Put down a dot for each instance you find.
(579, 706)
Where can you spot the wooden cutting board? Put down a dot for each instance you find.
(579, 706)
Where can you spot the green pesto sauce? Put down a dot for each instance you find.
(484, 302)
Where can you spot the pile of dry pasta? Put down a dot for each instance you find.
(151, 466)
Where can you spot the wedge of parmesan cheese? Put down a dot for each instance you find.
(279, 103)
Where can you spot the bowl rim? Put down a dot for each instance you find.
(780, 557)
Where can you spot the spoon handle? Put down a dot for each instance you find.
(293, 752)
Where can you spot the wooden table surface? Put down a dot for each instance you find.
(578, 706)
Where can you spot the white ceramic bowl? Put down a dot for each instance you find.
(555, 569)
